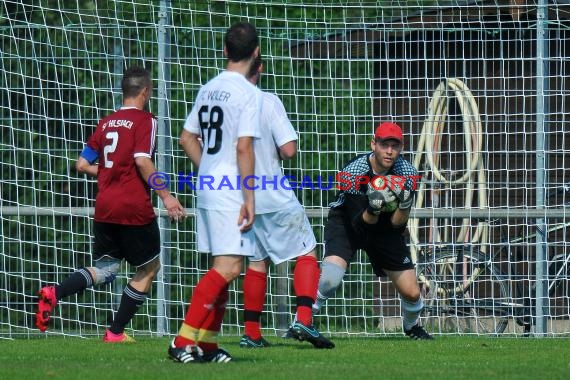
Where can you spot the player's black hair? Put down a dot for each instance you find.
(134, 80)
(241, 41)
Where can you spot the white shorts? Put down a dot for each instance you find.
(219, 234)
(283, 235)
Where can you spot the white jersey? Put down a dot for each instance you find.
(273, 191)
(226, 108)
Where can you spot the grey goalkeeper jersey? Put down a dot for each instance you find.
(360, 166)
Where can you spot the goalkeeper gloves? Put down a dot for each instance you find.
(405, 197)
(378, 196)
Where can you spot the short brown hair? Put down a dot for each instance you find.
(135, 79)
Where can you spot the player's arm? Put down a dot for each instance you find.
(191, 145)
(87, 162)
(146, 168)
(355, 210)
(246, 166)
(400, 217)
(288, 150)
(284, 134)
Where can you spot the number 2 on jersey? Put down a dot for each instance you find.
(110, 148)
(211, 123)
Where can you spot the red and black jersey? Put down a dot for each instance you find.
(123, 196)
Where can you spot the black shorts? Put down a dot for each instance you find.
(385, 250)
(137, 245)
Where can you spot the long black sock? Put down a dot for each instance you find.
(77, 282)
(130, 302)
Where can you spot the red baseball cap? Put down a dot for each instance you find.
(389, 131)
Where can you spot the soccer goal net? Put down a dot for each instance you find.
(480, 89)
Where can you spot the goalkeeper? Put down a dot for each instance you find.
(373, 217)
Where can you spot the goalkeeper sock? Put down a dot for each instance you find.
(254, 291)
(131, 300)
(77, 282)
(205, 295)
(411, 312)
(208, 333)
(319, 302)
(331, 277)
(305, 281)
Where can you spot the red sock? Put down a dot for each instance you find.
(203, 299)
(305, 282)
(254, 290)
(208, 334)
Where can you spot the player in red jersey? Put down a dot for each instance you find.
(125, 224)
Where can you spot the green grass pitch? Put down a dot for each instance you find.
(353, 358)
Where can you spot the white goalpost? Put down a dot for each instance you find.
(339, 68)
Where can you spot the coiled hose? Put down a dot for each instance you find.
(471, 179)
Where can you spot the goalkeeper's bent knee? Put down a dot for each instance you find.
(331, 277)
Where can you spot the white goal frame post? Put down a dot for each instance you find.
(480, 89)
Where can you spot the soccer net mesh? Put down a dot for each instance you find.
(479, 87)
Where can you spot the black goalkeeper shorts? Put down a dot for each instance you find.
(137, 245)
(386, 250)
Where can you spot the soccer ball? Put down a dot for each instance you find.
(390, 206)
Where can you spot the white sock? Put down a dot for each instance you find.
(411, 312)
(319, 302)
